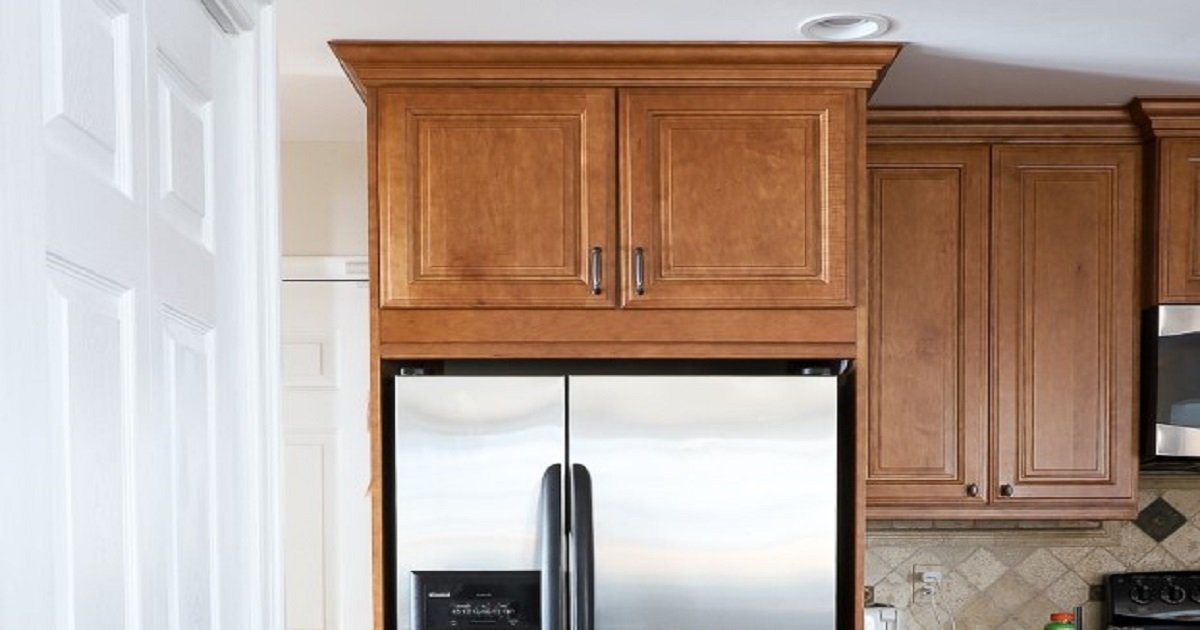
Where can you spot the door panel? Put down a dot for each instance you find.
(927, 424)
(1179, 221)
(496, 197)
(143, 331)
(1064, 241)
(470, 453)
(736, 198)
(714, 500)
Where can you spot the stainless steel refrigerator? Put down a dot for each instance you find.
(615, 502)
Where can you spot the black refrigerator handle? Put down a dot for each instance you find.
(551, 551)
(583, 547)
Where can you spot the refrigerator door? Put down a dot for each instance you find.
(473, 458)
(712, 500)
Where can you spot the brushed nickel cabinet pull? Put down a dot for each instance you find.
(639, 271)
(597, 264)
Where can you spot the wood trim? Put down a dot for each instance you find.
(374, 402)
(608, 350)
(375, 63)
(1002, 125)
(1073, 509)
(1168, 116)
(617, 327)
(858, 212)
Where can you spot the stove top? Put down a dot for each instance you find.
(1160, 600)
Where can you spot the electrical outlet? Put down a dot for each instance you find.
(926, 581)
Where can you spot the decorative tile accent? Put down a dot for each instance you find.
(1160, 519)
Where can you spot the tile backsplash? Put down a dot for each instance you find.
(1010, 575)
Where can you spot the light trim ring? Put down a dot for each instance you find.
(845, 27)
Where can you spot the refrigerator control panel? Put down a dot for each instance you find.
(460, 600)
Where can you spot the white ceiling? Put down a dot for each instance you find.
(959, 52)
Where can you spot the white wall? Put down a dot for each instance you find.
(324, 198)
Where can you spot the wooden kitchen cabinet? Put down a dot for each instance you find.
(1064, 320)
(615, 199)
(1004, 315)
(737, 198)
(1173, 125)
(928, 418)
(496, 197)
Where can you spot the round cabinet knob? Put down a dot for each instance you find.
(1173, 594)
(1140, 594)
(1006, 490)
(972, 489)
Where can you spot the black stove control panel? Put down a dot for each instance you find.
(1162, 600)
(462, 600)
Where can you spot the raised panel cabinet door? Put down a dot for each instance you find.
(738, 198)
(1064, 295)
(1179, 220)
(496, 197)
(927, 425)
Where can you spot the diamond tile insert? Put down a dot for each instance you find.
(1160, 519)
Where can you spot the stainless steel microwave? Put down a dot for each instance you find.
(1171, 386)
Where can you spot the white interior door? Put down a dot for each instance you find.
(326, 356)
(137, 375)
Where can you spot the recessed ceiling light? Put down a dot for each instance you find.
(845, 27)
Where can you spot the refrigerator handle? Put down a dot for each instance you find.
(551, 551)
(583, 547)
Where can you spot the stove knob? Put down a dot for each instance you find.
(1173, 594)
(1195, 594)
(1140, 594)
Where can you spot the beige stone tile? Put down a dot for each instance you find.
(911, 622)
(1134, 544)
(1012, 624)
(925, 617)
(1186, 501)
(1071, 556)
(957, 592)
(1184, 544)
(1035, 613)
(1067, 591)
(1011, 555)
(1094, 566)
(952, 555)
(982, 568)
(874, 568)
(1159, 559)
(1010, 591)
(1040, 568)
(912, 524)
(982, 614)
(893, 556)
(1146, 497)
(895, 590)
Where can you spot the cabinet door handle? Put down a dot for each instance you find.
(639, 271)
(972, 489)
(597, 270)
(1006, 490)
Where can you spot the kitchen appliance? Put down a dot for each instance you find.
(1166, 600)
(1171, 386)
(642, 502)
(882, 618)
